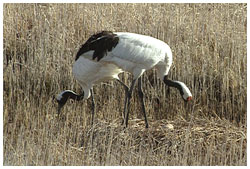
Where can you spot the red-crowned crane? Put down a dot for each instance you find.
(107, 54)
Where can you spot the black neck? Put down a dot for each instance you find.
(66, 95)
(172, 83)
(74, 96)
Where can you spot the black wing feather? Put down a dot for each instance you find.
(101, 43)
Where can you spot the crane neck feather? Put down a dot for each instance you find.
(183, 89)
(69, 94)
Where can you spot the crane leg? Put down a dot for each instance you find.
(128, 97)
(93, 106)
(125, 102)
(141, 96)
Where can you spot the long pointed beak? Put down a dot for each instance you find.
(59, 108)
(185, 104)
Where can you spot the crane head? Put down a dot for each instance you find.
(186, 94)
(184, 91)
(61, 100)
(64, 96)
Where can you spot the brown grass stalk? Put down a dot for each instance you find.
(209, 43)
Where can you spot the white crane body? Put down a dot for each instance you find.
(106, 54)
(134, 55)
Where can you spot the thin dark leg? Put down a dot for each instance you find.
(129, 97)
(141, 95)
(125, 102)
(93, 106)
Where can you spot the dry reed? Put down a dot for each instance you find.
(209, 49)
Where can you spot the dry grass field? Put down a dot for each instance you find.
(209, 44)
